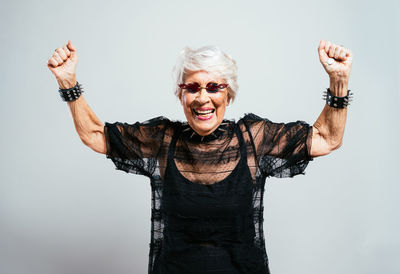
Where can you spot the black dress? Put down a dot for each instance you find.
(207, 192)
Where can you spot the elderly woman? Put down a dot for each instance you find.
(208, 173)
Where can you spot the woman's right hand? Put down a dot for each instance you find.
(63, 65)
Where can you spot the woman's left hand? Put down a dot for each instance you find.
(336, 60)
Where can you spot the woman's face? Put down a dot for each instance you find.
(211, 105)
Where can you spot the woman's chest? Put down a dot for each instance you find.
(218, 199)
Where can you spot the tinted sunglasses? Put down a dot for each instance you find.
(210, 87)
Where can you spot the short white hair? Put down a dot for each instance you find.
(208, 58)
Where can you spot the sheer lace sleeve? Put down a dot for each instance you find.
(282, 149)
(134, 147)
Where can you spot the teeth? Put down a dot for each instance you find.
(204, 111)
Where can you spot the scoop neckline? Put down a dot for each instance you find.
(233, 172)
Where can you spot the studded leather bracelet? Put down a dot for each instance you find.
(336, 101)
(71, 94)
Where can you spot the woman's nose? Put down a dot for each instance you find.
(202, 96)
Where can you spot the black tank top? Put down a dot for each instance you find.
(208, 228)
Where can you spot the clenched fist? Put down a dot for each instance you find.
(335, 59)
(63, 65)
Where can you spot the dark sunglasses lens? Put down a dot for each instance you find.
(192, 88)
(212, 87)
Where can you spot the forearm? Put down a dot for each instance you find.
(87, 125)
(331, 122)
(89, 128)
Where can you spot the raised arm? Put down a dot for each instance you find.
(328, 130)
(89, 128)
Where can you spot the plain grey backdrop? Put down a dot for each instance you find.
(65, 209)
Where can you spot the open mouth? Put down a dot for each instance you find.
(204, 114)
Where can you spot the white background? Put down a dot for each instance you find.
(65, 209)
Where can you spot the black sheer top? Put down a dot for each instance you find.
(207, 192)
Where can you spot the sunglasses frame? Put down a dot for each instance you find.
(207, 87)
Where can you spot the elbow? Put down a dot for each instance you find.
(337, 145)
(323, 144)
(97, 142)
(94, 139)
(321, 148)
(333, 142)
(86, 140)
